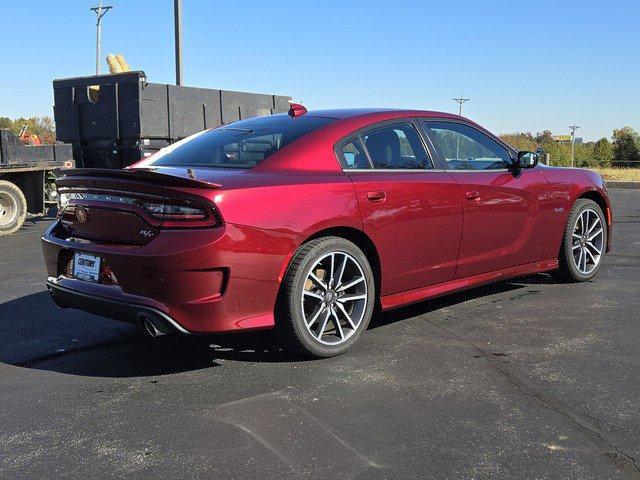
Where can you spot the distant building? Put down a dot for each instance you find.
(566, 138)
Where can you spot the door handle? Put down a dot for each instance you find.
(376, 196)
(473, 196)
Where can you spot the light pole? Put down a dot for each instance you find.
(100, 12)
(573, 142)
(460, 101)
(177, 17)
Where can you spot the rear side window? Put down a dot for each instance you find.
(396, 146)
(241, 144)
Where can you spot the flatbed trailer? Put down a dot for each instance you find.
(27, 179)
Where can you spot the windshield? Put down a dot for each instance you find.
(241, 144)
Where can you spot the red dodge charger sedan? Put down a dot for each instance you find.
(306, 222)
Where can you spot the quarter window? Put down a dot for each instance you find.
(353, 156)
(396, 146)
(465, 148)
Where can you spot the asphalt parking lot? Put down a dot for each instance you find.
(528, 378)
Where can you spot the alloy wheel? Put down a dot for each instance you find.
(334, 298)
(587, 241)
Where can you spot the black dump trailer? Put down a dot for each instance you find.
(26, 179)
(115, 120)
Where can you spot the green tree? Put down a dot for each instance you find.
(626, 147)
(6, 123)
(585, 155)
(544, 137)
(44, 127)
(520, 141)
(602, 153)
(559, 152)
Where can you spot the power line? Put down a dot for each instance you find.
(100, 12)
(573, 141)
(460, 101)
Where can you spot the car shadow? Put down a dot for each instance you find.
(427, 306)
(37, 335)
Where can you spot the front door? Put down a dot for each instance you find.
(504, 210)
(412, 213)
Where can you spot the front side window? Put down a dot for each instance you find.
(396, 146)
(465, 148)
(241, 144)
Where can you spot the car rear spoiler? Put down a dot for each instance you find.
(151, 175)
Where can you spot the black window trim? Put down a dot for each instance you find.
(357, 135)
(443, 163)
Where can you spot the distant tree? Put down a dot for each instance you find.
(44, 127)
(520, 141)
(6, 122)
(626, 147)
(560, 153)
(585, 156)
(603, 153)
(544, 137)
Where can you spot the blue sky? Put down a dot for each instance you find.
(526, 66)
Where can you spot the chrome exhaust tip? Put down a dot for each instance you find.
(153, 326)
(56, 300)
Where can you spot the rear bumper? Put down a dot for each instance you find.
(129, 312)
(212, 280)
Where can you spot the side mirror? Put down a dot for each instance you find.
(527, 159)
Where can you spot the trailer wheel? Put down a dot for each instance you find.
(13, 208)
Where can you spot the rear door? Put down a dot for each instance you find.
(411, 211)
(504, 209)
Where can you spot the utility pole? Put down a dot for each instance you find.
(573, 141)
(177, 17)
(100, 12)
(460, 101)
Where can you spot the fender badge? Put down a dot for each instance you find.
(81, 214)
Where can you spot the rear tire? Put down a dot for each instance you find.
(13, 208)
(583, 244)
(326, 299)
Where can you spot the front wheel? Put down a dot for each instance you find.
(327, 298)
(584, 242)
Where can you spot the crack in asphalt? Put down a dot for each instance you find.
(512, 297)
(624, 462)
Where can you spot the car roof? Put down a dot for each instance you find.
(343, 113)
(321, 141)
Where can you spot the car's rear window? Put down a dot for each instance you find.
(241, 144)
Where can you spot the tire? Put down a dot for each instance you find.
(338, 306)
(13, 208)
(575, 242)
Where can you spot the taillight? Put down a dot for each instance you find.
(173, 215)
(174, 212)
(170, 213)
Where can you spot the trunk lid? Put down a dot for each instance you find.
(111, 206)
